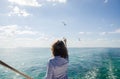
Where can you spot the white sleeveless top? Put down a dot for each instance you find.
(57, 68)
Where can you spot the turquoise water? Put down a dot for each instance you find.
(84, 63)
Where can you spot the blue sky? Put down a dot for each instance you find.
(38, 23)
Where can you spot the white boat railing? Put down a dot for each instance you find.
(15, 70)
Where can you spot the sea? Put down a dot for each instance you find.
(84, 63)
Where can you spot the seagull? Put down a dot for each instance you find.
(79, 39)
(64, 23)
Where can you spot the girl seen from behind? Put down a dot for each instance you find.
(57, 66)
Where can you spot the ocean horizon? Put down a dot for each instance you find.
(84, 63)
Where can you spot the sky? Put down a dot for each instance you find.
(38, 23)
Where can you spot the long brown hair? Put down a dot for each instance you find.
(59, 49)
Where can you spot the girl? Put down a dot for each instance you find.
(57, 66)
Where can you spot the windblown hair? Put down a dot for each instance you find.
(60, 49)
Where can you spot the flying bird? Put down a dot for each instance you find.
(64, 23)
(79, 39)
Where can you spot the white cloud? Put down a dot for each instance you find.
(8, 30)
(117, 31)
(33, 3)
(87, 33)
(105, 1)
(30, 42)
(43, 36)
(17, 11)
(12, 30)
(26, 32)
(22, 39)
(81, 33)
(101, 39)
(59, 1)
(103, 33)
(17, 36)
(94, 43)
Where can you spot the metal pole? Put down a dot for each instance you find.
(15, 70)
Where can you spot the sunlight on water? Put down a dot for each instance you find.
(91, 74)
(111, 73)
